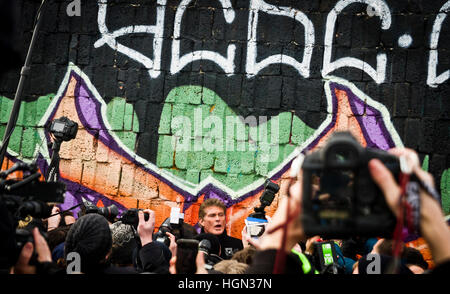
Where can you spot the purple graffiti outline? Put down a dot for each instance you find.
(83, 95)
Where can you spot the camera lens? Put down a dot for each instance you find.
(36, 209)
(109, 212)
(342, 155)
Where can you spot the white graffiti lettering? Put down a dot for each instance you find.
(382, 11)
(226, 63)
(109, 38)
(432, 79)
(253, 67)
(375, 8)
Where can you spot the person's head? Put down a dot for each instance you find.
(212, 216)
(57, 236)
(245, 255)
(231, 267)
(90, 237)
(123, 244)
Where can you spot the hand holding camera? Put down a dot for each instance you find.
(145, 227)
(433, 227)
(345, 189)
(39, 248)
(287, 216)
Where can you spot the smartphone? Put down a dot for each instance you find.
(187, 250)
(327, 256)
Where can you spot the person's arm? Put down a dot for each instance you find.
(145, 228)
(271, 241)
(152, 253)
(432, 224)
(290, 197)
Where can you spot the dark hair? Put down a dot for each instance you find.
(90, 236)
(57, 236)
(122, 255)
(245, 255)
(209, 203)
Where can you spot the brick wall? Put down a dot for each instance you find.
(181, 102)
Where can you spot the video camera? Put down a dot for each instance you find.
(340, 198)
(20, 199)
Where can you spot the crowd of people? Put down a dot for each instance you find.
(92, 244)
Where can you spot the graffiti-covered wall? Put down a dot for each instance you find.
(180, 101)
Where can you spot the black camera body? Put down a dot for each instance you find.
(266, 199)
(109, 212)
(32, 198)
(131, 217)
(340, 198)
(174, 225)
(63, 129)
(20, 199)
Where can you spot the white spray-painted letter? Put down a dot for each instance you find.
(432, 79)
(157, 30)
(226, 63)
(382, 11)
(253, 67)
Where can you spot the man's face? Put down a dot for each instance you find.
(214, 220)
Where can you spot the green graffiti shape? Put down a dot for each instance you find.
(123, 121)
(25, 139)
(200, 136)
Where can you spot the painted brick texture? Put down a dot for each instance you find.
(184, 105)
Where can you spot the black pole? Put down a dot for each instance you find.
(23, 75)
(53, 168)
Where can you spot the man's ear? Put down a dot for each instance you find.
(200, 222)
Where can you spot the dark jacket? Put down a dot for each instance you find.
(154, 257)
(228, 245)
(263, 262)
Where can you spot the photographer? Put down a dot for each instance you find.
(43, 263)
(275, 247)
(212, 219)
(90, 237)
(152, 256)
